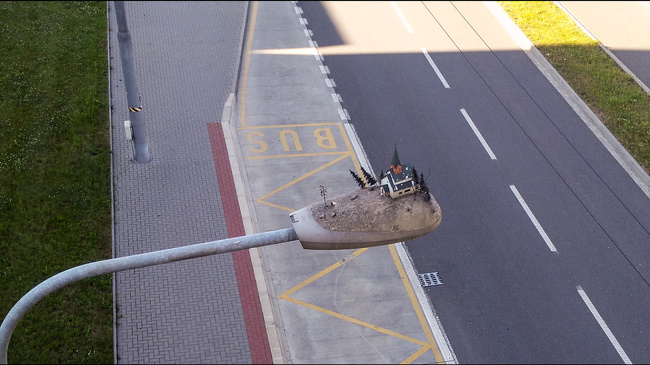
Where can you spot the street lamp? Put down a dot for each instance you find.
(135, 130)
(360, 219)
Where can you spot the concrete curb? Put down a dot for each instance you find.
(110, 136)
(249, 223)
(228, 117)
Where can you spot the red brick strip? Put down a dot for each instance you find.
(250, 300)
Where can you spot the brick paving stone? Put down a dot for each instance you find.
(186, 58)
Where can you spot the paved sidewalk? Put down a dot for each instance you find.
(186, 57)
(244, 125)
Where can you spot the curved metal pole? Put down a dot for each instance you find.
(132, 262)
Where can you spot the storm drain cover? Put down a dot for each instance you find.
(429, 279)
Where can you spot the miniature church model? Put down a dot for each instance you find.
(399, 179)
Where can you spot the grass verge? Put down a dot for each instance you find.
(55, 209)
(613, 95)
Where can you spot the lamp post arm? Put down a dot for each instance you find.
(132, 262)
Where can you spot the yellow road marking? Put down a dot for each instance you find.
(324, 272)
(294, 181)
(416, 305)
(385, 331)
(247, 61)
(336, 265)
(350, 152)
(291, 125)
(299, 155)
(417, 354)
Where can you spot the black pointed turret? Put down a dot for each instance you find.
(395, 165)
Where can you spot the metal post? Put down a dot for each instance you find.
(132, 262)
(130, 82)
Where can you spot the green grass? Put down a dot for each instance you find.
(613, 95)
(55, 210)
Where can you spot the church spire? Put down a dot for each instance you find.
(395, 165)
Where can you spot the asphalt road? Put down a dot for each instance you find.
(543, 247)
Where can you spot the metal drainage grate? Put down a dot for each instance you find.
(429, 279)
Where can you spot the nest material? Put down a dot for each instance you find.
(367, 210)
